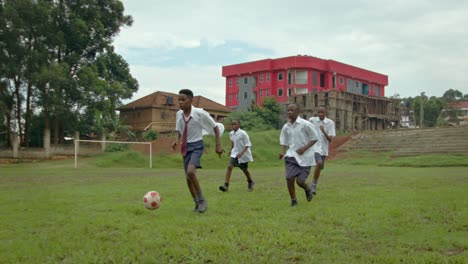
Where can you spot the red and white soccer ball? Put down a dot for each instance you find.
(152, 200)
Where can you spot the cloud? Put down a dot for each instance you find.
(202, 80)
(421, 45)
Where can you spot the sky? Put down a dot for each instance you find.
(421, 45)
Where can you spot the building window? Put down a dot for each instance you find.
(267, 92)
(237, 81)
(230, 98)
(314, 78)
(261, 78)
(246, 80)
(280, 76)
(246, 95)
(302, 77)
(280, 92)
(267, 77)
(341, 80)
(290, 91)
(230, 82)
(357, 84)
(261, 93)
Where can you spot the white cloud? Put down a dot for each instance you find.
(205, 81)
(420, 44)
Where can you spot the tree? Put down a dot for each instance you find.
(47, 46)
(432, 109)
(249, 120)
(452, 95)
(269, 112)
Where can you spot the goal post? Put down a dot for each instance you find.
(77, 143)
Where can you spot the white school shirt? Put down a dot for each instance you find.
(296, 135)
(200, 120)
(241, 139)
(329, 126)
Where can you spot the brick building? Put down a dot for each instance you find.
(157, 111)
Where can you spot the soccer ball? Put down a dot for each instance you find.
(152, 200)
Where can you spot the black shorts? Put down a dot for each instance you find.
(235, 162)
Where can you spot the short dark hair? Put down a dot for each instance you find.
(187, 92)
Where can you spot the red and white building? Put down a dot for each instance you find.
(252, 82)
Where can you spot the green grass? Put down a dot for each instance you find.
(386, 159)
(53, 213)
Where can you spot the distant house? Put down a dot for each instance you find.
(456, 113)
(157, 111)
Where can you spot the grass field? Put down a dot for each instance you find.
(53, 213)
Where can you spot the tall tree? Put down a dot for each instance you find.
(432, 109)
(452, 95)
(46, 43)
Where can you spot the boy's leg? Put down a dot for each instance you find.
(301, 181)
(250, 183)
(291, 190)
(191, 174)
(244, 167)
(318, 168)
(225, 187)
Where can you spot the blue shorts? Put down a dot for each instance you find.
(320, 158)
(194, 154)
(293, 169)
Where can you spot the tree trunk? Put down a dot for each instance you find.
(46, 144)
(56, 130)
(27, 122)
(18, 107)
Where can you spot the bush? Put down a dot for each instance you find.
(117, 147)
(151, 135)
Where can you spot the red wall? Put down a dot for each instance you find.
(309, 63)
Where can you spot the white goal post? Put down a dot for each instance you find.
(77, 142)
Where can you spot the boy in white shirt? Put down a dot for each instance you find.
(240, 155)
(297, 138)
(190, 122)
(326, 131)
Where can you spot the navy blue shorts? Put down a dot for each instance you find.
(320, 158)
(293, 169)
(194, 154)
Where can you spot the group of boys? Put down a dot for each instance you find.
(304, 145)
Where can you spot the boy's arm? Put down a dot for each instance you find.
(176, 141)
(283, 151)
(219, 148)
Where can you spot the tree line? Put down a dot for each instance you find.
(58, 67)
(432, 107)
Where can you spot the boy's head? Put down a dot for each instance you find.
(185, 99)
(293, 111)
(321, 112)
(235, 124)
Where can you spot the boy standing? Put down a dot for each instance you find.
(326, 131)
(299, 135)
(190, 122)
(240, 155)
